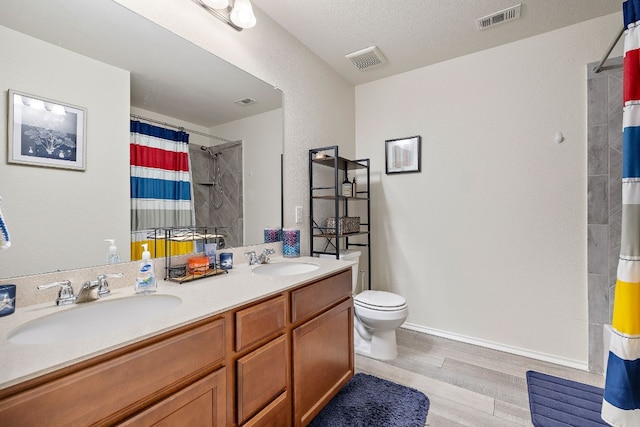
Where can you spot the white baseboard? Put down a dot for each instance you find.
(576, 364)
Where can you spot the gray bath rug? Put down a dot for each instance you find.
(368, 401)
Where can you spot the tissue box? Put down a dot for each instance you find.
(346, 224)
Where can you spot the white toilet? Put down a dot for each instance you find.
(377, 316)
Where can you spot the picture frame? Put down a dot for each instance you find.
(47, 133)
(403, 155)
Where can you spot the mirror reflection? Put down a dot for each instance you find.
(106, 59)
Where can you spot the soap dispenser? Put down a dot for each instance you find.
(146, 281)
(346, 187)
(112, 256)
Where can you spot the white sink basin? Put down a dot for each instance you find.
(285, 268)
(93, 318)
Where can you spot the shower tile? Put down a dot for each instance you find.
(596, 351)
(612, 296)
(598, 103)
(597, 248)
(598, 199)
(615, 230)
(597, 150)
(615, 181)
(598, 298)
(614, 90)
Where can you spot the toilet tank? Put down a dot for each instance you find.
(349, 255)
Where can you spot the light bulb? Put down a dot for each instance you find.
(242, 14)
(217, 4)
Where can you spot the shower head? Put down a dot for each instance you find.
(203, 148)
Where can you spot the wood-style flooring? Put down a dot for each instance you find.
(466, 385)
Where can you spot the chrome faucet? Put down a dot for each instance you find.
(91, 290)
(253, 259)
(65, 294)
(263, 258)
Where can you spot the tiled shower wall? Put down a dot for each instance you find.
(229, 214)
(604, 187)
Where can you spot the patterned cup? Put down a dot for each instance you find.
(290, 242)
(7, 299)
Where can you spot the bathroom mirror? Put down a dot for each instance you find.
(103, 57)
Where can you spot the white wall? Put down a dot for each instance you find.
(488, 243)
(261, 137)
(58, 219)
(318, 104)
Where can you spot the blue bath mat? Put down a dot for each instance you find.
(368, 401)
(556, 402)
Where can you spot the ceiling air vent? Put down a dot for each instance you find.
(245, 101)
(366, 58)
(499, 17)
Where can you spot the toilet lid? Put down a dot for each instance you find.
(380, 300)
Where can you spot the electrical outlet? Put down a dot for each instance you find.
(299, 214)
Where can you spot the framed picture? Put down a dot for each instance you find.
(43, 132)
(402, 155)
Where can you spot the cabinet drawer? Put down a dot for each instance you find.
(117, 387)
(275, 415)
(200, 404)
(261, 377)
(259, 321)
(314, 298)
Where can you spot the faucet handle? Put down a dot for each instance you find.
(253, 258)
(65, 294)
(265, 254)
(103, 286)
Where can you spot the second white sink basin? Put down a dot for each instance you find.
(285, 268)
(93, 318)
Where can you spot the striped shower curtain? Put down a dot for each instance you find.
(621, 405)
(160, 187)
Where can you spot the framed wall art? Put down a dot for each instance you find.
(402, 155)
(44, 132)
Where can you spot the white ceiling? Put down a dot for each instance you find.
(416, 33)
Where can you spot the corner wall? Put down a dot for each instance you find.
(488, 243)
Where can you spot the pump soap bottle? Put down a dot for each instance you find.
(346, 187)
(146, 281)
(112, 256)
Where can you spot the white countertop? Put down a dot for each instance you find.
(200, 299)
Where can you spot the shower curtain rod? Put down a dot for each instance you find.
(206, 135)
(600, 65)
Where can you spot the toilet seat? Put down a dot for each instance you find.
(380, 301)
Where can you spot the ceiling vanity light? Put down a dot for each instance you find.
(238, 14)
(242, 14)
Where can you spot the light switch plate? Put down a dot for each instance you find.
(299, 213)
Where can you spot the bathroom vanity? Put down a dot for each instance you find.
(274, 359)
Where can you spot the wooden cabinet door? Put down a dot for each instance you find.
(322, 360)
(202, 404)
(261, 377)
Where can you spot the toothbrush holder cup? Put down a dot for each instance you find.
(7, 299)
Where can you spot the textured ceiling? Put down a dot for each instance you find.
(416, 33)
